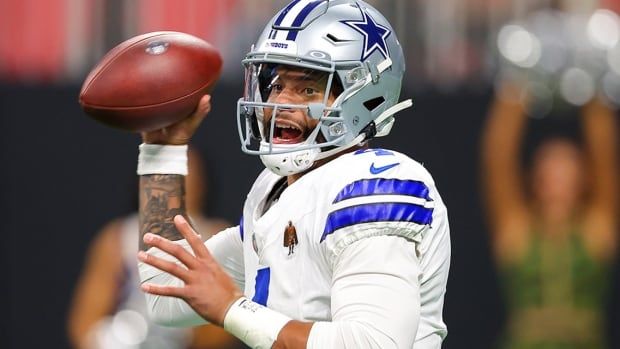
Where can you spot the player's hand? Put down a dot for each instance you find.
(208, 289)
(181, 132)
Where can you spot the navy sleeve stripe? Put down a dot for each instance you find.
(383, 186)
(377, 212)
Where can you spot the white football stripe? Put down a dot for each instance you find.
(373, 199)
(344, 236)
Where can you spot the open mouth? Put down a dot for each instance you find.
(287, 133)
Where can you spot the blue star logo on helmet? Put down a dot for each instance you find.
(374, 35)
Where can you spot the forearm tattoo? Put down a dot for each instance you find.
(161, 198)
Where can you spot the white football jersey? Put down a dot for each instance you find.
(290, 250)
(293, 256)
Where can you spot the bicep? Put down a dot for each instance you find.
(375, 297)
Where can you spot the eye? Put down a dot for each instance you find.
(275, 87)
(309, 91)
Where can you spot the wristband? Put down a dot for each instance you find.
(256, 325)
(162, 159)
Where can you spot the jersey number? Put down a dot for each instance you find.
(261, 286)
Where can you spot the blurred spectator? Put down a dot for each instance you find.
(553, 224)
(108, 309)
(564, 54)
(57, 41)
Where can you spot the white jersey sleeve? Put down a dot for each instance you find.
(375, 297)
(169, 311)
(381, 193)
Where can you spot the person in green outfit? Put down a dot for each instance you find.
(553, 225)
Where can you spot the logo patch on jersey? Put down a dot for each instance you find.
(290, 238)
(374, 35)
(377, 170)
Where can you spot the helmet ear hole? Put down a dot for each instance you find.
(333, 38)
(372, 104)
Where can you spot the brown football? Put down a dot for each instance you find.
(150, 81)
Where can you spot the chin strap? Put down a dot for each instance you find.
(384, 123)
(385, 120)
(357, 140)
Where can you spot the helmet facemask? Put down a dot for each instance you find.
(286, 110)
(288, 92)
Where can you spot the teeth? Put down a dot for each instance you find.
(287, 126)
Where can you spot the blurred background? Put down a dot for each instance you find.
(515, 115)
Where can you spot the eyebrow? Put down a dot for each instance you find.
(303, 76)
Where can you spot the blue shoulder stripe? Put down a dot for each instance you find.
(383, 186)
(377, 212)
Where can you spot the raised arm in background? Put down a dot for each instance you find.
(502, 175)
(600, 215)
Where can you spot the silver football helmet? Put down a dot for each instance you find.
(349, 45)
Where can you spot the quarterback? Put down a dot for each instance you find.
(340, 245)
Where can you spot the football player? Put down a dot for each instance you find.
(340, 245)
